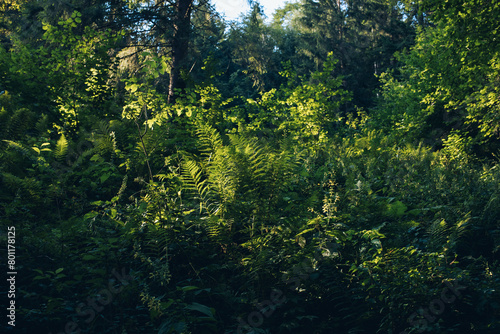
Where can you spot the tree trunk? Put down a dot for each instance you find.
(180, 45)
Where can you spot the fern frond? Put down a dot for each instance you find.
(104, 139)
(156, 243)
(215, 228)
(438, 233)
(28, 187)
(458, 230)
(21, 120)
(84, 155)
(251, 152)
(210, 139)
(192, 177)
(42, 125)
(61, 148)
(25, 152)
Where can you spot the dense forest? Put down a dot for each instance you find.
(333, 168)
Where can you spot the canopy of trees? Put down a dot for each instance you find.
(331, 169)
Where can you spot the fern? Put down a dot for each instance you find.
(83, 156)
(17, 158)
(209, 138)
(239, 182)
(438, 232)
(104, 139)
(21, 120)
(42, 125)
(61, 149)
(219, 230)
(238, 170)
(25, 152)
(192, 177)
(30, 188)
(457, 231)
(4, 116)
(444, 237)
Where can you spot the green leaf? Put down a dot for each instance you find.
(133, 88)
(415, 212)
(166, 305)
(396, 209)
(90, 215)
(143, 207)
(208, 311)
(306, 231)
(104, 177)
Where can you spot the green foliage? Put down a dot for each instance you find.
(308, 112)
(448, 79)
(262, 193)
(254, 55)
(399, 111)
(142, 97)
